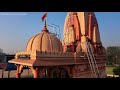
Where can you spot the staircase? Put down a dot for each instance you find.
(92, 61)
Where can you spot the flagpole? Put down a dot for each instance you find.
(46, 22)
(44, 18)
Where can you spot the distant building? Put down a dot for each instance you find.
(1, 50)
(4, 59)
(1, 55)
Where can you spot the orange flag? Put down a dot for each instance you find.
(44, 16)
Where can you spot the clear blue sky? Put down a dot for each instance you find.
(17, 27)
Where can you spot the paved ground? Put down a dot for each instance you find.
(26, 74)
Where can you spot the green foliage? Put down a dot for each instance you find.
(109, 70)
(116, 70)
(113, 55)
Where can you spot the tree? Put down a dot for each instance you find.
(116, 70)
(1, 55)
(113, 55)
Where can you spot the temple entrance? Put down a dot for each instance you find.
(55, 73)
(64, 73)
(59, 73)
(45, 74)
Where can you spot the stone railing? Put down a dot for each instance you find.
(48, 54)
(24, 55)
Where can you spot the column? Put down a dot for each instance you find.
(36, 72)
(17, 73)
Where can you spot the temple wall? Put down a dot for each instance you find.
(83, 71)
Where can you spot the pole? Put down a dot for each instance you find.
(28, 71)
(2, 73)
(46, 21)
(8, 73)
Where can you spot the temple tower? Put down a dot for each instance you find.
(78, 27)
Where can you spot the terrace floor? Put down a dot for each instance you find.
(26, 74)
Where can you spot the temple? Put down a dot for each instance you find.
(79, 55)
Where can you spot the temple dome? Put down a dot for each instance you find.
(44, 41)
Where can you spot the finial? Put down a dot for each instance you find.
(45, 27)
(45, 24)
(44, 18)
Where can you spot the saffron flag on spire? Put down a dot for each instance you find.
(44, 16)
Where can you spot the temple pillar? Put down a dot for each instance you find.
(36, 72)
(42, 70)
(19, 71)
(48, 74)
(18, 75)
(90, 24)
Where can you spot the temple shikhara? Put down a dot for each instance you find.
(80, 54)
